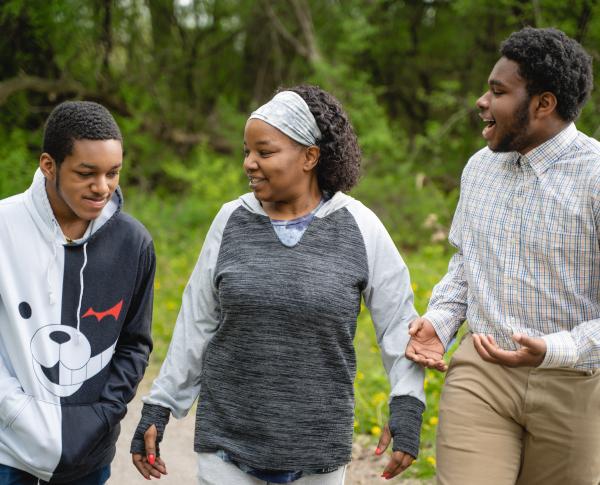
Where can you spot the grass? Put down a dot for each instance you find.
(178, 228)
(371, 386)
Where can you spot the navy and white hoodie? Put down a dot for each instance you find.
(74, 334)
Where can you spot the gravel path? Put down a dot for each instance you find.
(177, 451)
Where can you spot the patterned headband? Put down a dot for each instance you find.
(289, 113)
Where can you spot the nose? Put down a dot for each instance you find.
(59, 337)
(100, 185)
(483, 101)
(249, 163)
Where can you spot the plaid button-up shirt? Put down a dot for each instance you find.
(526, 230)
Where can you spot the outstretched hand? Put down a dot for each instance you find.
(399, 461)
(530, 354)
(149, 465)
(425, 347)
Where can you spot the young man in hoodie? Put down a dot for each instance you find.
(75, 306)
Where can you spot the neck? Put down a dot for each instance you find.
(549, 130)
(70, 224)
(295, 207)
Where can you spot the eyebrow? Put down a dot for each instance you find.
(94, 167)
(261, 142)
(495, 82)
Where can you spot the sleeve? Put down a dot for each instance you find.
(582, 343)
(178, 383)
(389, 297)
(447, 308)
(566, 348)
(134, 346)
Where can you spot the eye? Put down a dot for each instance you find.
(264, 153)
(85, 174)
(246, 152)
(112, 175)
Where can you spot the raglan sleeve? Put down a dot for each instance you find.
(389, 297)
(178, 383)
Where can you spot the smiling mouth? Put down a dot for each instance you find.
(96, 202)
(253, 181)
(489, 126)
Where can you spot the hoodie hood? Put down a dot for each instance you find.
(338, 201)
(38, 205)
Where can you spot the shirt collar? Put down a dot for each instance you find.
(542, 157)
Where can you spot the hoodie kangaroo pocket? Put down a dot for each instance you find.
(83, 430)
(11, 407)
(33, 435)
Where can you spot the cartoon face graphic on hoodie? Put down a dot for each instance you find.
(74, 334)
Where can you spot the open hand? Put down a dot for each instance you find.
(530, 354)
(399, 461)
(149, 465)
(424, 347)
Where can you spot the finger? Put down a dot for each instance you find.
(160, 465)
(407, 461)
(150, 444)
(500, 356)
(428, 353)
(136, 458)
(410, 351)
(384, 440)
(415, 326)
(534, 345)
(477, 343)
(394, 466)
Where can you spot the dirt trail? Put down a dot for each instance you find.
(177, 451)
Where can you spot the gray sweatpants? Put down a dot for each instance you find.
(212, 470)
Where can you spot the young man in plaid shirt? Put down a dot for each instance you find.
(521, 402)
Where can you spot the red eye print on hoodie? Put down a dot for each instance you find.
(113, 312)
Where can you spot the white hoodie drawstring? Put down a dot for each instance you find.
(51, 263)
(81, 290)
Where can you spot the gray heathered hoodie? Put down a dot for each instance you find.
(265, 336)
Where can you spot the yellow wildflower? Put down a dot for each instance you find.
(379, 398)
(375, 430)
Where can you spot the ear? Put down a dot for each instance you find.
(48, 166)
(311, 157)
(545, 104)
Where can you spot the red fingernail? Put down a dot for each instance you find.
(378, 451)
(151, 459)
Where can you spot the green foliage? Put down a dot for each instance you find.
(371, 387)
(16, 164)
(182, 77)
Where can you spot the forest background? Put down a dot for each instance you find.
(182, 76)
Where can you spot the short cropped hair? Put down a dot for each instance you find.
(551, 61)
(77, 120)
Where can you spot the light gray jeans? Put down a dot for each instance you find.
(213, 470)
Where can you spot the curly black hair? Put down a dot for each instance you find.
(77, 120)
(551, 61)
(339, 162)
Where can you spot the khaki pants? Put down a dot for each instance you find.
(525, 426)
